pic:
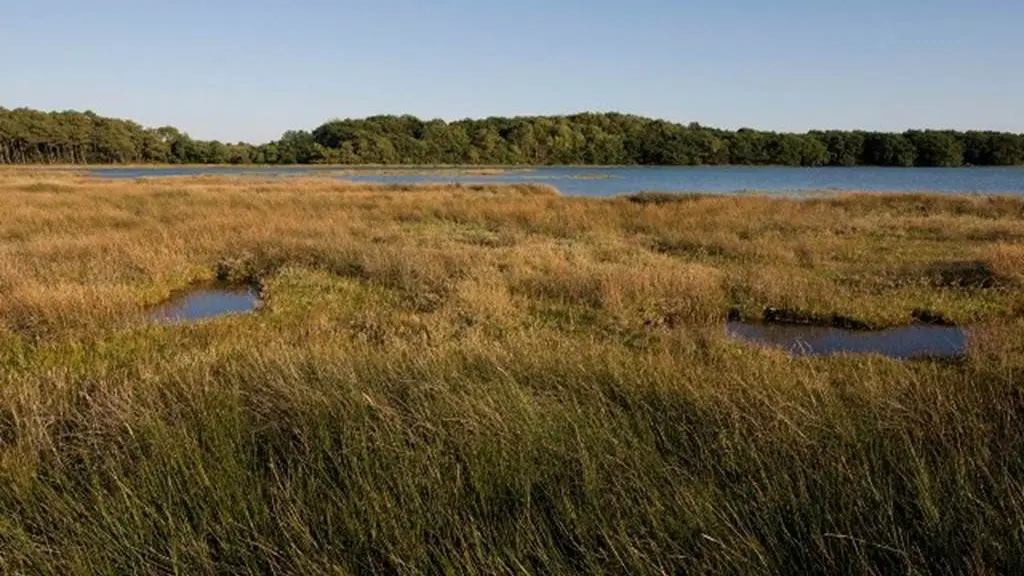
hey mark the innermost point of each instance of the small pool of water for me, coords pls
(904, 342)
(206, 302)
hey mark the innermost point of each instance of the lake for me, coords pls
(629, 180)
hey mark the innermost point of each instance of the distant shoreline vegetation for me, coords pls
(607, 139)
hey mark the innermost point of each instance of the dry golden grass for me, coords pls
(477, 379)
(74, 246)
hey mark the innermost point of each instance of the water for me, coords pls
(613, 181)
(904, 342)
(205, 302)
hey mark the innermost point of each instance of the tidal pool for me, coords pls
(207, 301)
(904, 342)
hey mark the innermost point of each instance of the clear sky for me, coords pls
(248, 70)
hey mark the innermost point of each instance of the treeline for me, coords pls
(33, 137)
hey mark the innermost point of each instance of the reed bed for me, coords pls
(498, 379)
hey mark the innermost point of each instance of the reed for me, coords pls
(482, 379)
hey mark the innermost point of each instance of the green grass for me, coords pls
(470, 381)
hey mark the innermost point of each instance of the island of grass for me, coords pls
(498, 379)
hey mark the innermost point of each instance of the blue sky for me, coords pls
(237, 70)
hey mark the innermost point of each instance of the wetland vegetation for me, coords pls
(498, 379)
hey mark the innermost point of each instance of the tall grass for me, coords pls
(479, 380)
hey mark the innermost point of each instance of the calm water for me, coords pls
(206, 302)
(721, 180)
(904, 342)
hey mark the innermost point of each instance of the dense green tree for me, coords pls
(784, 149)
(267, 154)
(1007, 150)
(599, 148)
(241, 153)
(936, 148)
(152, 148)
(486, 146)
(993, 149)
(885, 149)
(296, 147)
(706, 147)
(33, 137)
(112, 141)
(747, 147)
(844, 148)
(813, 152)
(214, 153)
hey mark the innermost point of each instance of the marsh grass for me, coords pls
(499, 380)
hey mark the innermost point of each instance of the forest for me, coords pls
(35, 137)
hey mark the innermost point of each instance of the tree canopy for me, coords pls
(34, 137)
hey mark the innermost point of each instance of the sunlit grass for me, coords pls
(498, 379)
